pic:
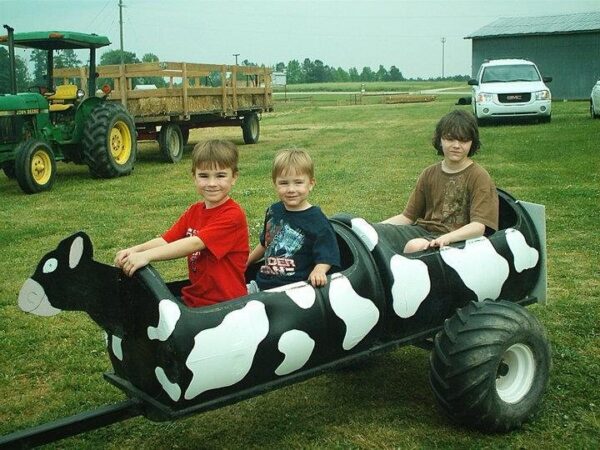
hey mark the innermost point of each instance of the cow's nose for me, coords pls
(33, 299)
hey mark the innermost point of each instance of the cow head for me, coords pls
(68, 279)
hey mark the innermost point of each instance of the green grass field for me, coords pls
(367, 160)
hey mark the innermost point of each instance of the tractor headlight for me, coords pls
(484, 97)
(80, 94)
(542, 95)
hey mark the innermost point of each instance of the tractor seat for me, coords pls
(58, 98)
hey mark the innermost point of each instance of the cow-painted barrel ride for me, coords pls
(490, 360)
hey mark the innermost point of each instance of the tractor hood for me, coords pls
(21, 104)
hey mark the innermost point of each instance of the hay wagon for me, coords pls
(168, 99)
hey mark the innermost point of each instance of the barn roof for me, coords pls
(515, 26)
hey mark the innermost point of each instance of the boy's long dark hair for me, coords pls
(458, 124)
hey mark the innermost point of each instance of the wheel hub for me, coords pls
(120, 143)
(41, 167)
(515, 373)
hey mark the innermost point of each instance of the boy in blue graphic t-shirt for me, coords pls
(297, 241)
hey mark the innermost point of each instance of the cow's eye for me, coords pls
(50, 265)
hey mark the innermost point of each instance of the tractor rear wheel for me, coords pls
(251, 128)
(170, 143)
(490, 365)
(35, 166)
(109, 141)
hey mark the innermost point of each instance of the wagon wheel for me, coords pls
(170, 143)
(185, 132)
(251, 128)
(490, 365)
(35, 166)
(109, 141)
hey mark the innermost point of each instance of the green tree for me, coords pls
(395, 74)
(113, 57)
(66, 58)
(382, 74)
(353, 74)
(279, 67)
(159, 82)
(294, 72)
(341, 75)
(367, 74)
(39, 59)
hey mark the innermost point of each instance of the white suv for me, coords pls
(510, 88)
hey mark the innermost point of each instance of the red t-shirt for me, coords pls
(217, 272)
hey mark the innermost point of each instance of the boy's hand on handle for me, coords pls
(318, 276)
(121, 256)
(134, 262)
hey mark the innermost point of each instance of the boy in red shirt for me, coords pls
(213, 233)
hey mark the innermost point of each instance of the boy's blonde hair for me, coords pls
(214, 154)
(294, 160)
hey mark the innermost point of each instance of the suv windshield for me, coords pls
(508, 73)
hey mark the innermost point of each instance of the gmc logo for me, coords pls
(514, 97)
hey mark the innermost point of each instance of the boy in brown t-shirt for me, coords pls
(455, 199)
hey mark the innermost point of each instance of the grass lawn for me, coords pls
(367, 160)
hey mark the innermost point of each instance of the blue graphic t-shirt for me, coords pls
(295, 241)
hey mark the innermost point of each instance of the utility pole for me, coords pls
(443, 43)
(236, 55)
(121, 29)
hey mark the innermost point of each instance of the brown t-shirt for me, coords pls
(443, 202)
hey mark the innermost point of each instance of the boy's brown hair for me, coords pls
(458, 124)
(215, 153)
(293, 160)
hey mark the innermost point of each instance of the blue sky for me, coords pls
(341, 33)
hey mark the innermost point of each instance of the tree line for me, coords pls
(296, 72)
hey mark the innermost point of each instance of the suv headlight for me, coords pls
(542, 95)
(484, 97)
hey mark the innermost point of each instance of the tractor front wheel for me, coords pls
(35, 166)
(109, 141)
(170, 143)
(490, 366)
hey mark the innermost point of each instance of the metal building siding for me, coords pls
(572, 60)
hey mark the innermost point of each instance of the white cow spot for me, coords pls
(223, 355)
(479, 266)
(116, 347)
(33, 299)
(365, 232)
(76, 252)
(50, 265)
(302, 293)
(411, 284)
(358, 313)
(525, 257)
(172, 389)
(168, 316)
(297, 346)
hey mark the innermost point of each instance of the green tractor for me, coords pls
(61, 123)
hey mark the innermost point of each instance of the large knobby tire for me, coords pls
(35, 166)
(490, 366)
(251, 128)
(109, 141)
(170, 143)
